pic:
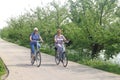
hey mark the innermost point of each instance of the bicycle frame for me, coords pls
(37, 57)
(61, 57)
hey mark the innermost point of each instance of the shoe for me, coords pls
(62, 61)
(32, 58)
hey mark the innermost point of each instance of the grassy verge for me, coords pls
(102, 65)
(2, 68)
(95, 63)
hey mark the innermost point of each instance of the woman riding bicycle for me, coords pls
(34, 37)
(59, 41)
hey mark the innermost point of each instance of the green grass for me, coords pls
(102, 65)
(2, 68)
(95, 63)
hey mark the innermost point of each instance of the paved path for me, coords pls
(17, 60)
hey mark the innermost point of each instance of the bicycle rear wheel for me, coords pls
(57, 59)
(64, 59)
(38, 59)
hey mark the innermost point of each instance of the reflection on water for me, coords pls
(116, 59)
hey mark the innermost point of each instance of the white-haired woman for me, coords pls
(34, 37)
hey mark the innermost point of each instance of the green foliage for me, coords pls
(95, 18)
(47, 49)
(103, 65)
(90, 24)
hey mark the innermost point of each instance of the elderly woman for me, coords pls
(59, 41)
(34, 37)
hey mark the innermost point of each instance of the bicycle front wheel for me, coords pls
(64, 59)
(38, 59)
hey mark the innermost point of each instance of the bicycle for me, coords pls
(37, 57)
(62, 57)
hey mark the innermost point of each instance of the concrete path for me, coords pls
(17, 60)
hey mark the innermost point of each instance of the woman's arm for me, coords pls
(30, 38)
(64, 39)
(41, 38)
(55, 40)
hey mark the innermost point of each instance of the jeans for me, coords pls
(32, 45)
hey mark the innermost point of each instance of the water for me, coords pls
(115, 59)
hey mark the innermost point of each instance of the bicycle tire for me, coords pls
(64, 59)
(38, 59)
(57, 59)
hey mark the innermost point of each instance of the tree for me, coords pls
(94, 17)
(92, 25)
(60, 13)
